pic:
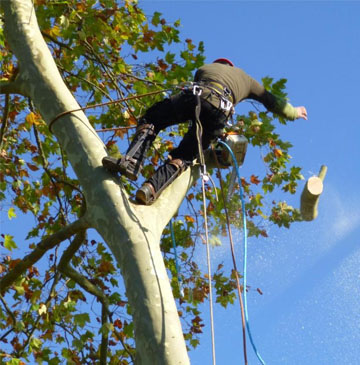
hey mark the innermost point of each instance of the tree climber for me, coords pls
(218, 87)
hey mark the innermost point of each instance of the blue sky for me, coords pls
(309, 313)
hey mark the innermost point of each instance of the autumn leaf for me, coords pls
(277, 152)
(254, 180)
(32, 167)
(105, 267)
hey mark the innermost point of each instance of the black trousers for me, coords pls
(177, 109)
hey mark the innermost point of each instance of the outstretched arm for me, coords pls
(274, 103)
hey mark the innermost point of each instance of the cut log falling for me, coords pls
(311, 194)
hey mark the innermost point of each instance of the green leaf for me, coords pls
(106, 328)
(35, 343)
(81, 319)
(156, 18)
(9, 242)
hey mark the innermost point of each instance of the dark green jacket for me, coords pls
(242, 86)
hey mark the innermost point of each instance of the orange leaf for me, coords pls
(32, 167)
(155, 159)
(132, 120)
(32, 118)
(254, 179)
(189, 219)
(277, 152)
(118, 323)
(120, 132)
(105, 267)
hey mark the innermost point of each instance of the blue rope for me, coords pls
(236, 167)
(176, 257)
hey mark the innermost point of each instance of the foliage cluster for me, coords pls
(107, 50)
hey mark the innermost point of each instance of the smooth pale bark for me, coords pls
(132, 232)
(311, 194)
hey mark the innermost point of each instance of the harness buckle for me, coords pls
(225, 104)
(197, 90)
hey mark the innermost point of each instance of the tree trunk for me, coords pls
(132, 232)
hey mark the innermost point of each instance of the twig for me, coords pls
(8, 310)
(48, 172)
(104, 336)
(47, 302)
(4, 123)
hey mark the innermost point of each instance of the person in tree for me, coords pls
(217, 87)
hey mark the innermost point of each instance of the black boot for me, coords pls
(162, 178)
(131, 164)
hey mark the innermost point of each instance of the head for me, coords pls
(224, 61)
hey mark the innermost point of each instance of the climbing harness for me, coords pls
(236, 167)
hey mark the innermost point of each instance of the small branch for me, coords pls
(46, 244)
(4, 123)
(82, 281)
(87, 81)
(52, 39)
(46, 168)
(8, 310)
(71, 250)
(126, 347)
(110, 75)
(6, 334)
(104, 336)
(66, 269)
(47, 303)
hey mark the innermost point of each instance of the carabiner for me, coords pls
(225, 104)
(197, 90)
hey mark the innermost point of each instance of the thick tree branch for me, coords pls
(46, 244)
(12, 87)
(170, 200)
(71, 273)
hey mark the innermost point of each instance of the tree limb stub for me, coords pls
(311, 194)
(45, 245)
